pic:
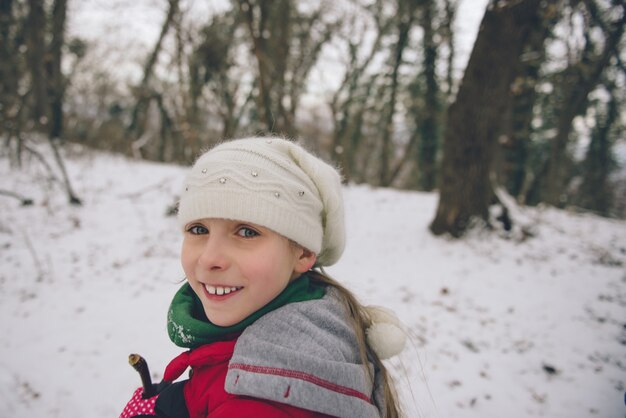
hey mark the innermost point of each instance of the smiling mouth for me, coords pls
(220, 290)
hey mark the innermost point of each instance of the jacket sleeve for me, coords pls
(242, 406)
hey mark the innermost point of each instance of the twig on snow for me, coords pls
(26, 201)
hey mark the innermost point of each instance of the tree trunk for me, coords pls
(143, 95)
(405, 22)
(578, 81)
(56, 83)
(36, 22)
(9, 68)
(429, 137)
(351, 100)
(450, 8)
(594, 193)
(473, 121)
(286, 43)
(515, 146)
(269, 27)
(55, 88)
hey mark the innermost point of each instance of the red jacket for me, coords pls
(204, 392)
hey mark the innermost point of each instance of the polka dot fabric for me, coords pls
(139, 407)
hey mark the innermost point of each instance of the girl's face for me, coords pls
(236, 268)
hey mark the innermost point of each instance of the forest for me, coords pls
(536, 117)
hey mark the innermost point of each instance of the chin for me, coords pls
(224, 323)
(220, 321)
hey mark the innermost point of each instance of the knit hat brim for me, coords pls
(273, 183)
(254, 208)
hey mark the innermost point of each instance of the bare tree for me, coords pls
(474, 119)
(47, 83)
(56, 81)
(212, 65)
(143, 91)
(56, 91)
(36, 53)
(447, 33)
(353, 98)
(11, 66)
(577, 81)
(514, 144)
(429, 118)
(595, 190)
(404, 24)
(286, 43)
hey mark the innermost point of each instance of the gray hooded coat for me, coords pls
(305, 354)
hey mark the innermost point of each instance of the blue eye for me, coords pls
(197, 230)
(247, 232)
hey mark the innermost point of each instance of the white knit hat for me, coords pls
(270, 182)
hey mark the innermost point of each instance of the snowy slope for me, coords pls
(500, 328)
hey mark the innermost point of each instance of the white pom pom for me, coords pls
(386, 339)
(379, 314)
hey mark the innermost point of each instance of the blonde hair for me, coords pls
(360, 321)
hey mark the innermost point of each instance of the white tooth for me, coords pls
(210, 289)
(220, 291)
(226, 290)
(233, 289)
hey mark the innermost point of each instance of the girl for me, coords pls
(268, 333)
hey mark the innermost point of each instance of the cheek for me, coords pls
(262, 268)
(268, 268)
(282, 266)
(187, 259)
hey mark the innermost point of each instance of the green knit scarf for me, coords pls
(188, 326)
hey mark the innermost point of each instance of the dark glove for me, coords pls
(168, 402)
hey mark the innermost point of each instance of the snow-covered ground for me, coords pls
(500, 327)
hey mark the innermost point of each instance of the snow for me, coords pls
(499, 326)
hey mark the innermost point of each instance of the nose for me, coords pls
(215, 255)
